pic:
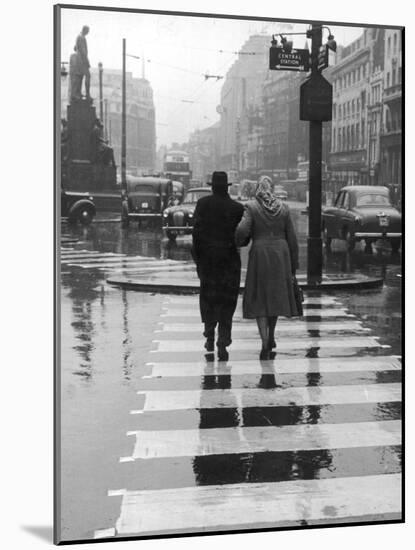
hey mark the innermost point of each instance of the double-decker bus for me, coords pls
(176, 167)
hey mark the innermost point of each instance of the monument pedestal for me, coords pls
(81, 117)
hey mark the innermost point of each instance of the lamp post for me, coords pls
(314, 242)
(316, 98)
(101, 108)
(123, 124)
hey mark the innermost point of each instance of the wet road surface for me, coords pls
(158, 439)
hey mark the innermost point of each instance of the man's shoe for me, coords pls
(209, 345)
(264, 354)
(223, 354)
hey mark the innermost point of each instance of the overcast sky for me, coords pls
(178, 51)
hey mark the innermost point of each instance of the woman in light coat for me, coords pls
(273, 260)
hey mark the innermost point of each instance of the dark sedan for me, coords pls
(178, 220)
(362, 212)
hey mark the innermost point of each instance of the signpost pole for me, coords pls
(314, 243)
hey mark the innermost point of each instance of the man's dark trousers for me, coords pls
(218, 263)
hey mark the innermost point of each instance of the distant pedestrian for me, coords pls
(273, 260)
(218, 263)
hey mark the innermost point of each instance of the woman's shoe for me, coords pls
(272, 344)
(264, 354)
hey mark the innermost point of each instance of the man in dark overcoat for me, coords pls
(218, 262)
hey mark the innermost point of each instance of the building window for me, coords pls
(353, 107)
(358, 73)
(388, 78)
(357, 135)
(395, 42)
(357, 105)
(393, 75)
(389, 46)
(364, 71)
(334, 110)
(339, 140)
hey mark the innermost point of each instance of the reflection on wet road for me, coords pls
(177, 443)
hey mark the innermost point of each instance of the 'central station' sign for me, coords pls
(296, 60)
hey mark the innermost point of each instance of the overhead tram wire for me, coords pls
(203, 88)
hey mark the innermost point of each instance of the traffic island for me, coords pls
(187, 282)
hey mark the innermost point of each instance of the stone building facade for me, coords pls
(391, 135)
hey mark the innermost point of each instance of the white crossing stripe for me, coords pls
(110, 258)
(192, 300)
(273, 397)
(254, 344)
(141, 265)
(279, 366)
(251, 505)
(261, 439)
(288, 326)
(332, 312)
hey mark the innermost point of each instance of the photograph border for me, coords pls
(57, 10)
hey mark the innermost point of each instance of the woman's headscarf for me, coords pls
(266, 198)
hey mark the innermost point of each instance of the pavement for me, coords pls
(182, 278)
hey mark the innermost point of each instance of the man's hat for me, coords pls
(219, 178)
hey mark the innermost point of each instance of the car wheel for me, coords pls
(171, 235)
(350, 240)
(84, 216)
(395, 244)
(326, 238)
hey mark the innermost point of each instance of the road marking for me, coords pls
(261, 439)
(332, 312)
(273, 397)
(279, 366)
(141, 265)
(288, 326)
(215, 507)
(114, 258)
(104, 533)
(184, 300)
(254, 344)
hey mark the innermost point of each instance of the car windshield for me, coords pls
(194, 196)
(372, 199)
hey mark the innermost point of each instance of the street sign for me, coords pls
(323, 58)
(316, 98)
(296, 60)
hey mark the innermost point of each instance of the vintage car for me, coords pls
(145, 198)
(77, 206)
(362, 212)
(178, 220)
(280, 192)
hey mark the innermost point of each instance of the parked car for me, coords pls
(362, 212)
(77, 206)
(280, 192)
(145, 198)
(178, 220)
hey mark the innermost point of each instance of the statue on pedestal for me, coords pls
(79, 67)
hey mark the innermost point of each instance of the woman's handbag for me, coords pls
(298, 296)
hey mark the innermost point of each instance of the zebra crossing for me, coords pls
(312, 437)
(110, 262)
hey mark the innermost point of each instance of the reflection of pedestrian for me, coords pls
(218, 263)
(273, 259)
